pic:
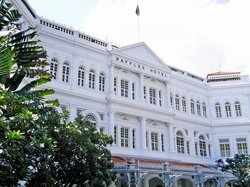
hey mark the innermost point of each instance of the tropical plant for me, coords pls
(20, 56)
(239, 166)
(38, 145)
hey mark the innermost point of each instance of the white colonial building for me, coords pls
(169, 126)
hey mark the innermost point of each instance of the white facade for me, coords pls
(156, 113)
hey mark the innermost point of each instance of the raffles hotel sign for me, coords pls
(140, 66)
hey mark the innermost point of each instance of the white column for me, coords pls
(111, 123)
(192, 142)
(143, 132)
(72, 110)
(166, 97)
(171, 137)
(97, 80)
(130, 89)
(149, 141)
(130, 137)
(86, 78)
(159, 141)
(141, 85)
(111, 78)
(118, 86)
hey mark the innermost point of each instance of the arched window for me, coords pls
(177, 102)
(184, 104)
(101, 82)
(218, 110)
(81, 76)
(171, 99)
(180, 142)
(204, 109)
(198, 107)
(65, 72)
(237, 108)
(228, 109)
(202, 145)
(192, 106)
(91, 119)
(92, 79)
(54, 67)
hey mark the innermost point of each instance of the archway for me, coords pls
(211, 183)
(155, 182)
(184, 183)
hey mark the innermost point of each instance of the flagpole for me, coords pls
(139, 29)
(137, 11)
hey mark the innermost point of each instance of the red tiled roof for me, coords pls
(222, 73)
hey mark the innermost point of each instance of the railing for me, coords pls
(145, 165)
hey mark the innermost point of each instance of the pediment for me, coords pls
(142, 53)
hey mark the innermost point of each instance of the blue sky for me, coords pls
(199, 36)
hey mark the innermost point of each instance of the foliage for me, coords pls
(20, 56)
(38, 145)
(33, 147)
(239, 166)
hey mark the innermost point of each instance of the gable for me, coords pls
(142, 53)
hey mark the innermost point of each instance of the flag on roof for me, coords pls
(137, 10)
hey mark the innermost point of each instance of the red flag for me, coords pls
(137, 10)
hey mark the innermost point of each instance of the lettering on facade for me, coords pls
(142, 67)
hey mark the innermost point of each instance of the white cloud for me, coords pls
(194, 35)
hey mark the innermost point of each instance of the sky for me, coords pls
(198, 36)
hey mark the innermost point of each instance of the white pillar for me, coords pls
(111, 78)
(111, 123)
(141, 85)
(73, 114)
(86, 78)
(171, 137)
(143, 132)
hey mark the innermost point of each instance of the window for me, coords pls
(152, 96)
(196, 148)
(115, 134)
(154, 141)
(180, 142)
(192, 106)
(188, 147)
(91, 119)
(101, 82)
(65, 72)
(115, 85)
(124, 137)
(224, 148)
(133, 91)
(218, 110)
(209, 150)
(92, 79)
(162, 143)
(124, 88)
(146, 139)
(81, 76)
(242, 146)
(171, 99)
(198, 107)
(237, 109)
(144, 92)
(177, 102)
(184, 105)
(228, 109)
(54, 67)
(204, 109)
(160, 99)
(133, 138)
(202, 144)
(101, 130)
